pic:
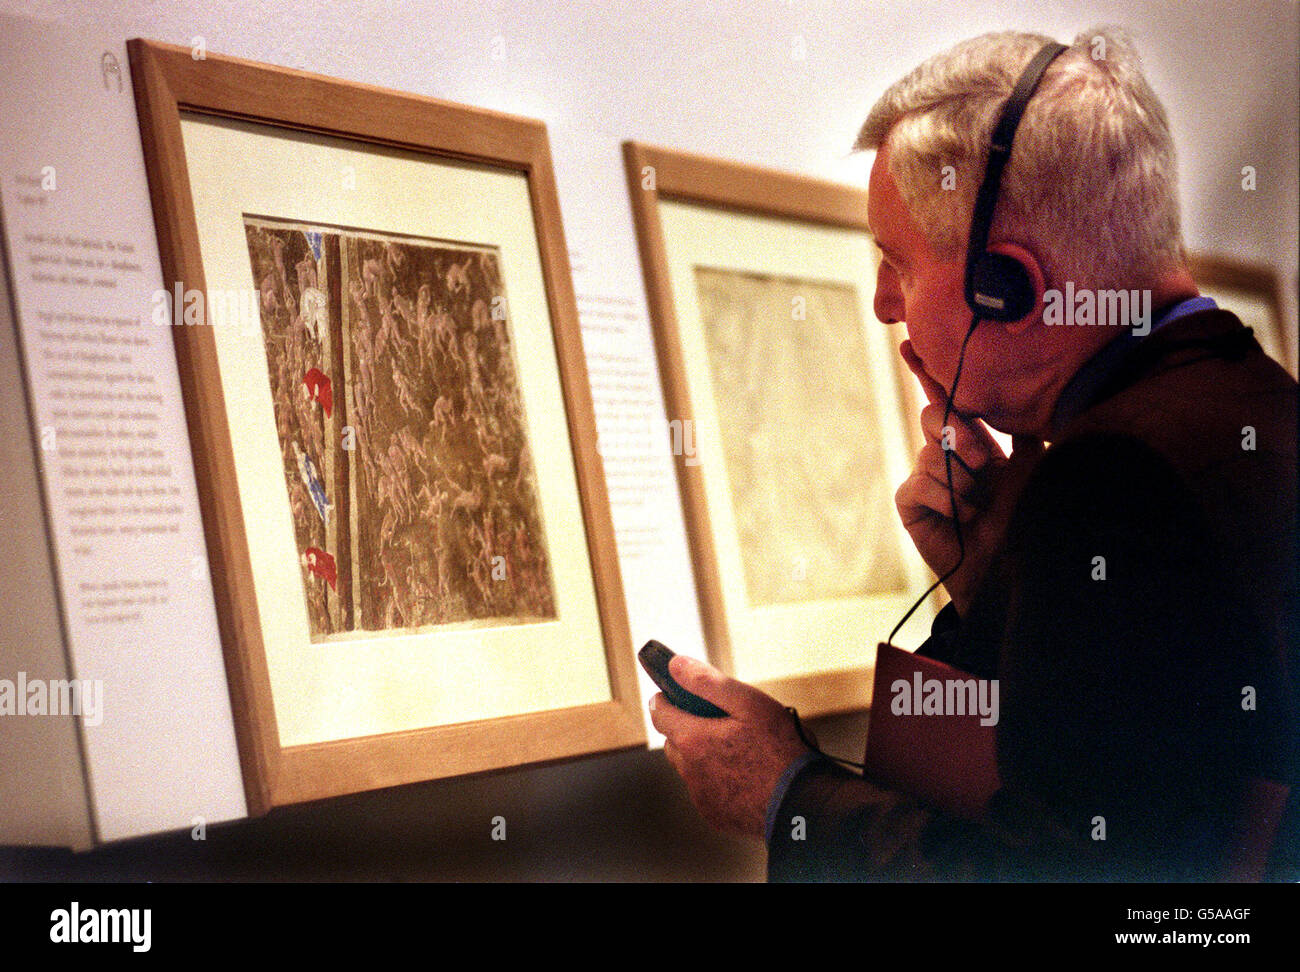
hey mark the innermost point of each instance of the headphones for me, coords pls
(998, 287)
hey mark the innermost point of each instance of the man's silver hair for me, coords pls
(1091, 187)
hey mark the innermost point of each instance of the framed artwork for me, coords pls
(408, 532)
(1254, 293)
(790, 417)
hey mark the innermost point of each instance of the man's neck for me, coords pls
(1086, 344)
(1090, 380)
(1173, 288)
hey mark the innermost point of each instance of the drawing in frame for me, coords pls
(791, 418)
(1254, 293)
(408, 532)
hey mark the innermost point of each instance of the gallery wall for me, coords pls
(780, 83)
(784, 83)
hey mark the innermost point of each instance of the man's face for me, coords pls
(916, 286)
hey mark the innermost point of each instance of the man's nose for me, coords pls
(888, 302)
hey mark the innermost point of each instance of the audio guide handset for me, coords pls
(654, 658)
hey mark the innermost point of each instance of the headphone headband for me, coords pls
(988, 291)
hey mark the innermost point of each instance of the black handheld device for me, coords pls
(654, 658)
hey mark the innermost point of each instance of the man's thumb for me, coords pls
(733, 696)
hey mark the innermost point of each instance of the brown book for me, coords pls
(933, 731)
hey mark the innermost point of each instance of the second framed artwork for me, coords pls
(1254, 293)
(791, 416)
(407, 525)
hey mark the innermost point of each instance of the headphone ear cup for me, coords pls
(1000, 288)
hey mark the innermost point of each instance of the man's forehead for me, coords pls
(883, 201)
(874, 196)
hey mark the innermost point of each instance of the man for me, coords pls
(1132, 585)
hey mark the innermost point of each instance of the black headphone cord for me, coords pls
(948, 454)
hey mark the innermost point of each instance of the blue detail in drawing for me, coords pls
(316, 241)
(311, 479)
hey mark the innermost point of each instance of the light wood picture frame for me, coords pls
(1254, 293)
(401, 200)
(750, 234)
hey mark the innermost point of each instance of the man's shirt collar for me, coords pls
(1078, 395)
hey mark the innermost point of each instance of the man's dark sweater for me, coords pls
(1144, 698)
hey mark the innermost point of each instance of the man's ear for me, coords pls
(1037, 279)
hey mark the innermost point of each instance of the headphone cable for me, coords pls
(952, 493)
(948, 454)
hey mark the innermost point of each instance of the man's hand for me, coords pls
(732, 765)
(984, 486)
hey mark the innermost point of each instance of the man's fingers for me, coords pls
(676, 723)
(968, 485)
(927, 488)
(667, 718)
(969, 439)
(732, 696)
(934, 392)
(970, 442)
(922, 495)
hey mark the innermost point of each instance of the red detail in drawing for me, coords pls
(318, 384)
(321, 563)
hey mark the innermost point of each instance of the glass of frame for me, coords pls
(408, 531)
(792, 419)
